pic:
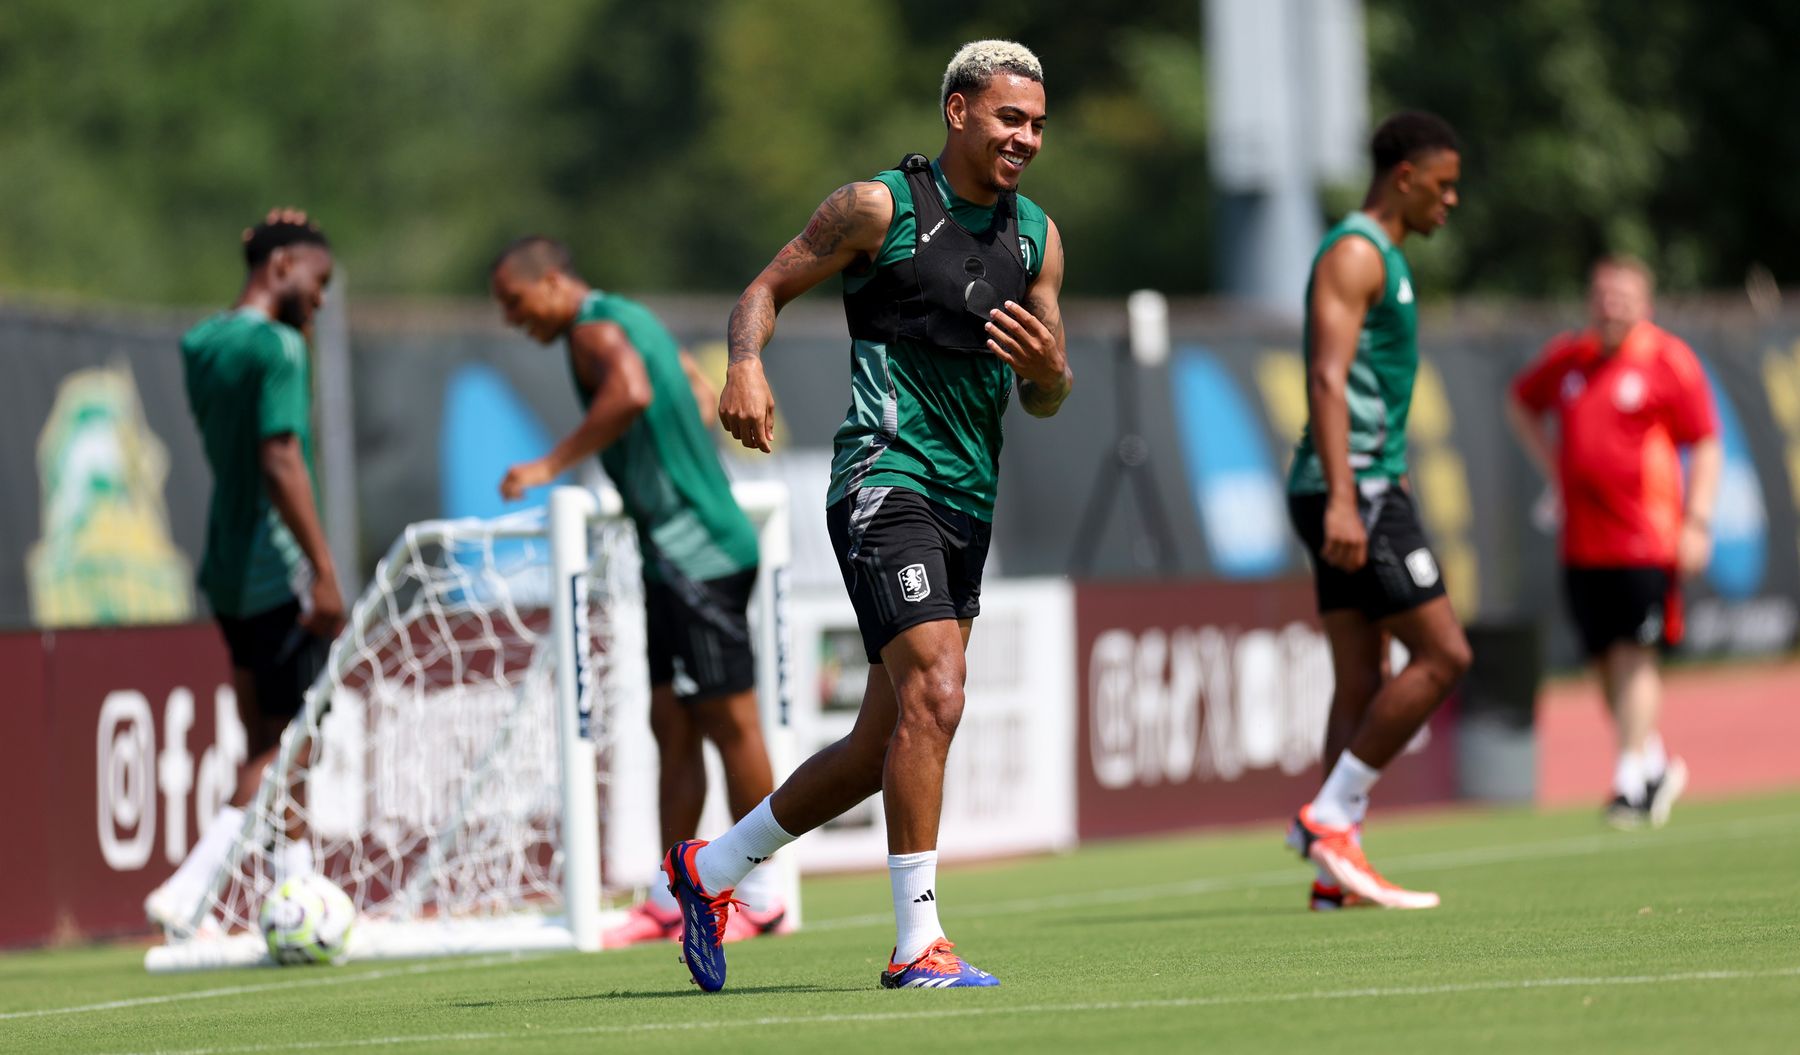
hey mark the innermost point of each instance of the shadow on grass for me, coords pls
(658, 994)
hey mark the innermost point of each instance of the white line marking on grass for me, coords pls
(1611, 842)
(263, 987)
(1378, 992)
(1575, 846)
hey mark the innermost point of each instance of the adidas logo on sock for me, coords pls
(755, 860)
(926, 896)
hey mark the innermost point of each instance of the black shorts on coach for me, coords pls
(698, 633)
(1610, 605)
(282, 657)
(1400, 573)
(906, 560)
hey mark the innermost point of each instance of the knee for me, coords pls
(729, 729)
(675, 738)
(1453, 657)
(724, 735)
(1351, 693)
(932, 704)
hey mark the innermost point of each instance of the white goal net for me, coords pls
(453, 770)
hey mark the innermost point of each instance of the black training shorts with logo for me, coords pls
(1400, 573)
(282, 657)
(906, 560)
(698, 634)
(1610, 605)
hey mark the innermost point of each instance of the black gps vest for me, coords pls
(942, 295)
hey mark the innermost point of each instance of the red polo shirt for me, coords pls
(1623, 417)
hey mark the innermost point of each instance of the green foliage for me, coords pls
(143, 137)
(1599, 125)
(677, 145)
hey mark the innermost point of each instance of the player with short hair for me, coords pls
(950, 281)
(642, 395)
(266, 572)
(1627, 395)
(1349, 503)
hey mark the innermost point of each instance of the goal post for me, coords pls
(452, 768)
(571, 508)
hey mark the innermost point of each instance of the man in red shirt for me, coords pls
(1626, 395)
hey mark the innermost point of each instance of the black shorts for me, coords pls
(698, 634)
(282, 658)
(1610, 605)
(906, 560)
(1400, 574)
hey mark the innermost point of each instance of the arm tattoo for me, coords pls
(1048, 312)
(1044, 400)
(753, 319)
(832, 223)
(752, 324)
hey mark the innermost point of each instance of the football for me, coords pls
(307, 920)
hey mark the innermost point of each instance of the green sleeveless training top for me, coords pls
(247, 380)
(1380, 385)
(665, 465)
(921, 418)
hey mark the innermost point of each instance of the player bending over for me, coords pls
(642, 396)
(950, 281)
(1349, 503)
(266, 572)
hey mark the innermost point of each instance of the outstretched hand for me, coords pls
(523, 477)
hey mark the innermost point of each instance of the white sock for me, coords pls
(1628, 776)
(725, 861)
(662, 900)
(208, 855)
(914, 878)
(1345, 796)
(293, 859)
(760, 889)
(1656, 760)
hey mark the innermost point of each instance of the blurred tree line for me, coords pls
(677, 145)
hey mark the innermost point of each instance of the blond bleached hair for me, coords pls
(978, 60)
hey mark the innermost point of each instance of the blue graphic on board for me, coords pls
(1740, 520)
(487, 429)
(1235, 482)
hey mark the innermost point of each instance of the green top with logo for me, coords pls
(922, 418)
(1380, 385)
(665, 465)
(248, 379)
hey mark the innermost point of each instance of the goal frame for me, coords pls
(566, 525)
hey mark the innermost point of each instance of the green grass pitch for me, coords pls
(1555, 935)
